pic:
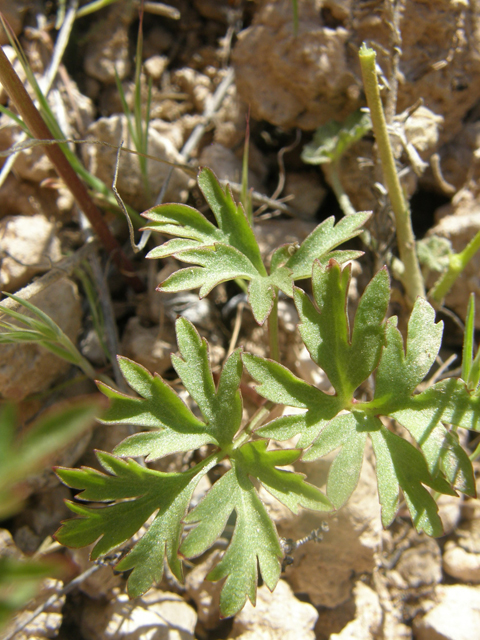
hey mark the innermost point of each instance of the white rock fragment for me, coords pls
(28, 245)
(101, 160)
(276, 616)
(455, 617)
(47, 624)
(461, 564)
(461, 557)
(368, 618)
(158, 615)
(325, 570)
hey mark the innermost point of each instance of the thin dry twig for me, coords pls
(50, 601)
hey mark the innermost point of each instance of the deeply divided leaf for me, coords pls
(230, 251)
(343, 423)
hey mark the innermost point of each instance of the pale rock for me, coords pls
(461, 557)
(171, 130)
(47, 623)
(230, 120)
(309, 371)
(456, 616)
(29, 368)
(101, 160)
(108, 46)
(29, 246)
(308, 194)
(91, 349)
(276, 616)
(325, 570)
(422, 130)
(368, 618)
(450, 511)
(148, 346)
(33, 165)
(18, 197)
(205, 593)
(294, 81)
(421, 564)
(461, 564)
(197, 85)
(158, 615)
(155, 66)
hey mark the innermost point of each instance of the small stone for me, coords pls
(155, 66)
(456, 616)
(28, 246)
(368, 618)
(461, 558)
(157, 614)
(101, 161)
(421, 564)
(276, 616)
(47, 624)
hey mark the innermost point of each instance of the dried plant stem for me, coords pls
(34, 121)
(412, 277)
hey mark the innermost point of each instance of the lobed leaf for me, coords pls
(325, 329)
(288, 487)
(230, 251)
(133, 493)
(159, 407)
(254, 543)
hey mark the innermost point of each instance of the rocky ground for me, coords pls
(361, 582)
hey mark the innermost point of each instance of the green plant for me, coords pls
(21, 457)
(42, 330)
(430, 457)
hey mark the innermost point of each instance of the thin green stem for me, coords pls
(457, 263)
(475, 454)
(273, 330)
(257, 419)
(412, 278)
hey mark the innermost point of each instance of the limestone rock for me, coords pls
(295, 81)
(461, 558)
(205, 593)
(325, 570)
(276, 616)
(158, 615)
(305, 80)
(29, 368)
(108, 50)
(47, 624)
(100, 160)
(368, 618)
(456, 616)
(29, 246)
